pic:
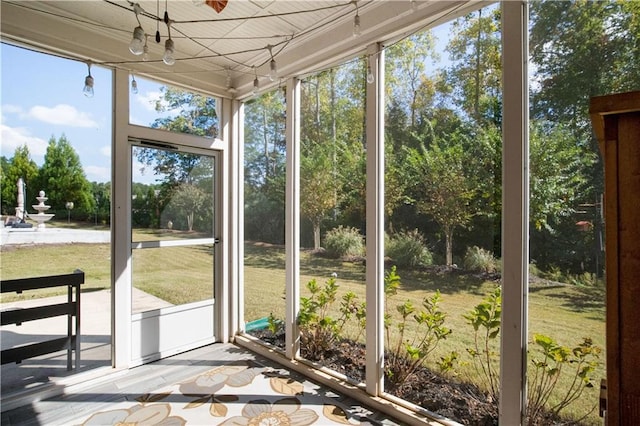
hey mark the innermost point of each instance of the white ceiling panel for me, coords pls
(305, 34)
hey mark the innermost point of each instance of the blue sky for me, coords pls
(41, 97)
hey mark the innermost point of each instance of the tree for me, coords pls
(101, 193)
(567, 38)
(443, 189)
(406, 63)
(557, 173)
(332, 135)
(264, 160)
(317, 188)
(475, 78)
(19, 166)
(559, 179)
(196, 113)
(187, 201)
(63, 179)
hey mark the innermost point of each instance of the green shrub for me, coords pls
(485, 318)
(586, 279)
(554, 274)
(549, 361)
(343, 242)
(408, 248)
(534, 270)
(319, 331)
(480, 260)
(408, 350)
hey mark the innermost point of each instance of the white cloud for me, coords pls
(62, 114)
(106, 151)
(11, 109)
(13, 137)
(148, 100)
(97, 173)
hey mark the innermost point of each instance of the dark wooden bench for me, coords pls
(71, 309)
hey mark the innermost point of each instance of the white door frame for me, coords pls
(121, 219)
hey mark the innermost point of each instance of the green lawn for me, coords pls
(565, 313)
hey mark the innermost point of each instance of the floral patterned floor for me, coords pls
(242, 393)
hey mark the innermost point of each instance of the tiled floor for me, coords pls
(121, 393)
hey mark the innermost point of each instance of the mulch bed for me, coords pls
(445, 396)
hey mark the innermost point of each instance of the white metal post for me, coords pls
(515, 212)
(375, 222)
(226, 312)
(237, 257)
(121, 224)
(292, 219)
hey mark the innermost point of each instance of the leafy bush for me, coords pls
(548, 366)
(554, 274)
(534, 270)
(408, 248)
(480, 260)
(344, 242)
(485, 319)
(350, 307)
(586, 279)
(406, 356)
(274, 325)
(318, 330)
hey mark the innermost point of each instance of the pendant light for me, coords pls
(134, 85)
(145, 50)
(356, 21)
(168, 57)
(273, 67)
(138, 41)
(256, 82)
(88, 83)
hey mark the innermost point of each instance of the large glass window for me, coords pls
(567, 273)
(264, 227)
(173, 222)
(56, 197)
(170, 108)
(332, 209)
(443, 217)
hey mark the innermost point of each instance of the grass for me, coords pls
(183, 274)
(38, 260)
(566, 313)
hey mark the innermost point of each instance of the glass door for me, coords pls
(173, 199)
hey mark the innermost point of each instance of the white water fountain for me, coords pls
(41, 217)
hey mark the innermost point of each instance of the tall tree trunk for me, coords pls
(476, 101)
(266, 143)
(190, 221)
(334, 135)
(448, 232)
(316, 236)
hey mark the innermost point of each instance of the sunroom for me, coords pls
(279, 203)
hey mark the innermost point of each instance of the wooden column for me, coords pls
(616, 121)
